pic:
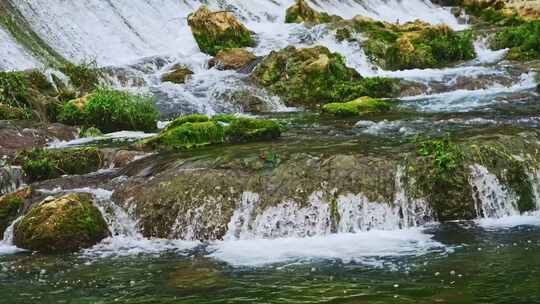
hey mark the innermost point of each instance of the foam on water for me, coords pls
(6, 244)
(115, 136)
(363, 247)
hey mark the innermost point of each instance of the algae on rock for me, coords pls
(313, 76)
(359, 106)
(216, 31)
(62, 224)
(301, 12)
(178, 75)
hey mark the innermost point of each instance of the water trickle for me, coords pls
(491, 197)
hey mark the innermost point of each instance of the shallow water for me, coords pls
(460, 263)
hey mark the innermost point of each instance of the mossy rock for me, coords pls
(523, 41)
(42, 164)
(232, 59)
(538, 88)
(196, 130)
(10, 205)
(8, 112)
(357, 107)
(111, 110)
(313, 76)
(301, 12)
(63, 224)
(178, 75)
(216, 31)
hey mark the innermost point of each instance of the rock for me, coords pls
(194, 131)
(232, 59)
(313, 76)
(42, 164)
(122, 158)
(178, 75)
(16, 136)
(199, 273)
(301, 12)
(359, 106)
(216, 31)
(10, 205)
(62, 224)
(538, 88)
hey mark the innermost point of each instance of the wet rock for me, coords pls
(10, 205)
(216, 31)
(178, 75)
(62, 224)
(301, 12)
(41, 164)
(357, 107)
(22, 135)
(232, 59)
(313, 76)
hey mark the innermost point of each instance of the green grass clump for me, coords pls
(42, 164)
(187, 118)
(522, 40)
(9, 207)
(13, 89)
(189, 135)
(84, 77)
(359, 106)
(111, 110)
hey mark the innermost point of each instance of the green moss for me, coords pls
(63, 224)
(188, 135)
(300, 12)
(523, 41)
(245, 129)
(110, 110)
(9, 113)
(84, 77)
(495, 15)
(9, 208)
(187, 118)
(343, 34)
(13, 89)
(40, 164)
(90, 132)
(313, 76)
(193, 131)
(178, 75)
(359, 106)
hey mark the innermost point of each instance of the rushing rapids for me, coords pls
(344, 201)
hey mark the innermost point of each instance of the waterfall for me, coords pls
(349, 213)
(492, 198)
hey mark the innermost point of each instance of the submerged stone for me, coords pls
(359, 106)
(301, 12)
(232, 59)
(178, 75)
(62, 224)
(216, 31)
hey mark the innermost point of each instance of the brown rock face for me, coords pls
(178, 75)
(232, 59)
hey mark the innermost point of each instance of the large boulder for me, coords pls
(313, 76)
(301, 12)
(216, 31)
(62, 224)
(232, 59)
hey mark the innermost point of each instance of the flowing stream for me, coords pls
(294, 252)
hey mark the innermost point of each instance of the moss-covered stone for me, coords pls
(216, 31)
(63, 224)
(245, 129)
(413, 44)
(312, 76)
(232, 59)
(84, 77)
(359, 106)
(41, 164)
(10, 113)
(110, 110)
(301, 12)
(197, 130)
(10, 204)
(178, 75)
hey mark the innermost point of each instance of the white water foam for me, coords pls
(363, 247)
(115, 136)
(6, 244)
